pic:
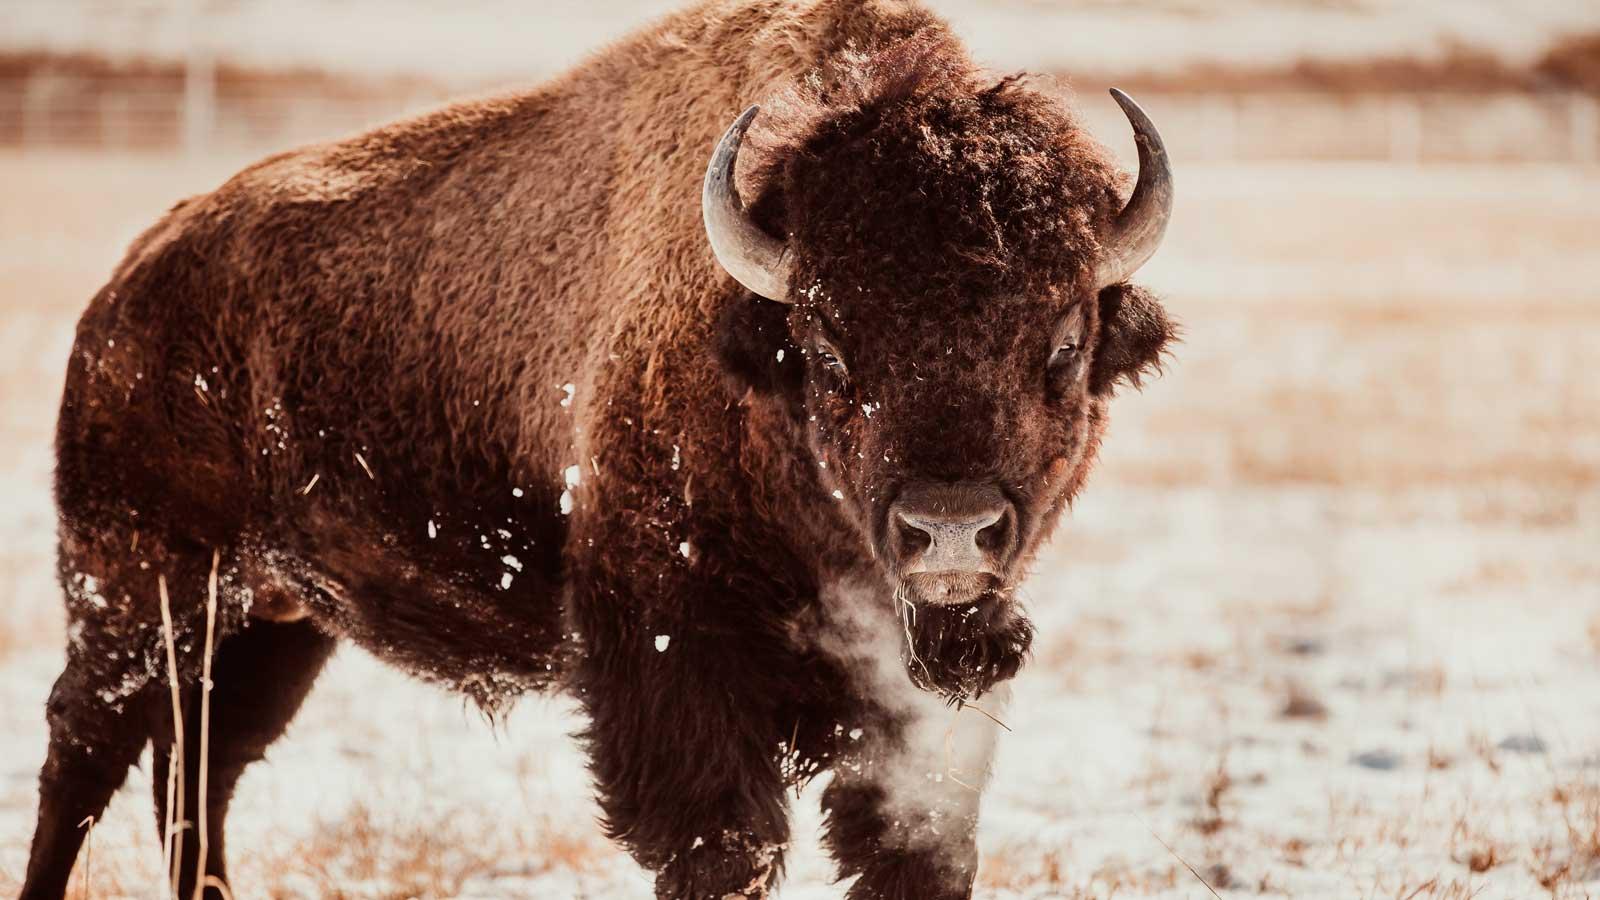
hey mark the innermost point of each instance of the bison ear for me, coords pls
(753, 346)
(1134, 331)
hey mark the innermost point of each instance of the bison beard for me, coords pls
(962, 651)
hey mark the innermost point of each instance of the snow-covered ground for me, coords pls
(497, 39)
(1325, 625)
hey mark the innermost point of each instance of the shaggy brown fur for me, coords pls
(459, 388)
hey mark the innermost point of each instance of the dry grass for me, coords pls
(365, 853)
(1576, 859)
(172, 829)
(204, 762)
(421, 860)
(1213, 819)
(1300, 703)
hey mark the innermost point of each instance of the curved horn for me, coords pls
(754, 258)
(1138, 229)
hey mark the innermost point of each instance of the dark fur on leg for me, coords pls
(931, 855)
(685, 736)
(690, 783)
(262, 675)
(88, 760)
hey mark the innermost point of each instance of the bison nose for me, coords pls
(964, 528)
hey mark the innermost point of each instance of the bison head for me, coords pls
(951, 287)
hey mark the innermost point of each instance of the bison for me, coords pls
(489, 394)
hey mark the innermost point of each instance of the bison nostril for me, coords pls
(913, 540)
(995, 538)
(952, 528)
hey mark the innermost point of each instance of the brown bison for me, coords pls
(475, 392)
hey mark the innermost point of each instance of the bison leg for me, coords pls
(904, 817)
(685, 752)
(690, 784)
(92, 745)
(260, 677)
(103, 706)
(927, 854)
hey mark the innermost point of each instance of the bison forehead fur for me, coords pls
(457, 390)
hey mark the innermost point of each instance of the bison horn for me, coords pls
(1138, 229)
(754, 258)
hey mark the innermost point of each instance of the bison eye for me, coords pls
(829, 357)
(1065, 368)
(1066, 363)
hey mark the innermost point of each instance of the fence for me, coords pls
(49, 110)
(53, 110)
(1391, 127)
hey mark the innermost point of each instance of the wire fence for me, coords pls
(157, 113)
(48, 110)
(1405, 128)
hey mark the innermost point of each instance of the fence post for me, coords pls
(1222, 113)
(1405, 129)
(35, 116)
(1583, 113)
(115, 133)
(199, 87)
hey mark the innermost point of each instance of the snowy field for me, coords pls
(1325, 625)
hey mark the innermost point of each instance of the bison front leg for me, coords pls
(929, 851)
(902, 816)
(683, 745)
